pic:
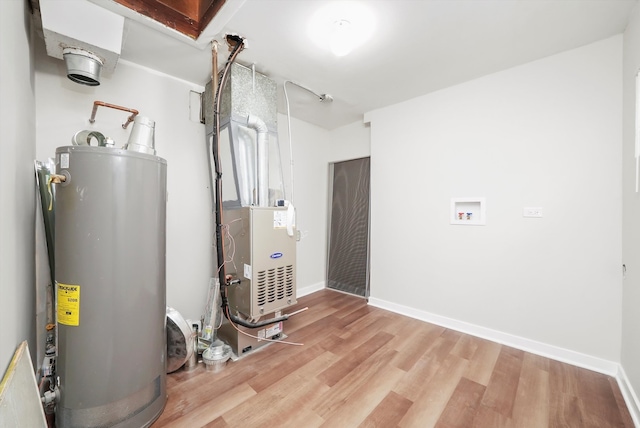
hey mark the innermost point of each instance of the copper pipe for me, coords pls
(57, 178)
(133, 112)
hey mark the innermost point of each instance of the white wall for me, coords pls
(17, 192)
(349, 142)
(64, 107)
(545, 134)
(313, 149)
(631, 214)
(309, 151)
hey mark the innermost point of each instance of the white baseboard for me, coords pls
(596, 364)
(309, 289)
(630, 397)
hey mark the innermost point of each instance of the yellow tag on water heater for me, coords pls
(68, 304)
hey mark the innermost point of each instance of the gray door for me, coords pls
(348, 258)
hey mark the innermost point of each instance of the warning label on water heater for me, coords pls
(64, 160)
(69, 304)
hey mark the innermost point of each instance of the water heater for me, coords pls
(110, 287)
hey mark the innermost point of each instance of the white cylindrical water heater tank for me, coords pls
(110, 277)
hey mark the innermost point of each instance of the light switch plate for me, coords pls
(535, 212)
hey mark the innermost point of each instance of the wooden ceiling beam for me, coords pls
(190, 17)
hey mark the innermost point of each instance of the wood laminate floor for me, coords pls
(362, 366)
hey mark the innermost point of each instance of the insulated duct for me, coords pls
(247, 93)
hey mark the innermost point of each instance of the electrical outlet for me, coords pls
(532, 212)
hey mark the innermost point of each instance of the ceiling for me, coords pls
(418, 46)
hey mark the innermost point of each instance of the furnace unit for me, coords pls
(264, 262)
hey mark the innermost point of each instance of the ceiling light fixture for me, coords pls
(340, 41)
(341, 27)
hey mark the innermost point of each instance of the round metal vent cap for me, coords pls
(82, 66)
